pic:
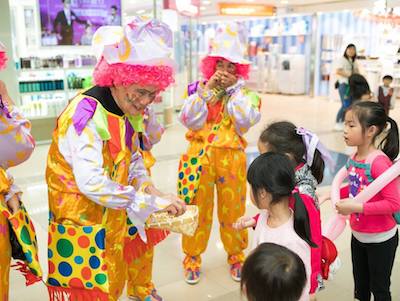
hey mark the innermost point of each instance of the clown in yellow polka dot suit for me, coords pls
(221, 99)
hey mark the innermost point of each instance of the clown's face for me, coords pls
(227, 66)
(134, 99)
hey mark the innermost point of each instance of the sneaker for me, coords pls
(334, 267)
(338, 127)
(192, 276)
(236, 271)
(153, 297)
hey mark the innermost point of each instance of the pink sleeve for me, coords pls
(389, 198)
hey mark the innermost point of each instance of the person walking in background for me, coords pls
(346, 67)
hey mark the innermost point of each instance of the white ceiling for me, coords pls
(210, 7)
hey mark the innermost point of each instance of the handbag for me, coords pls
(190, 168)
(76, 257)
(23, 243)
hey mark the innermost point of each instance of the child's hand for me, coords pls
(346, 207)
(244, 222)
(322, 198)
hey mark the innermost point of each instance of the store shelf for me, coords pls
(280, 35)
(41, 117)
(42, 92)
(65, 69)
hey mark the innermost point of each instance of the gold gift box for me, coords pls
(185, 224)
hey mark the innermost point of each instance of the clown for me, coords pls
(16, 145)
(95, 173)
(221, 102)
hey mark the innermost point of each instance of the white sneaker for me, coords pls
(338, 127)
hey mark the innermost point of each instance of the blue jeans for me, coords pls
(345, 100)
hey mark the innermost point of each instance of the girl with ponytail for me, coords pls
(308, 157)
(272, 180)
(374, 230)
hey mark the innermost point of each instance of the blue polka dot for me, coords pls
(78, 259)
(87, 229)
(27, 220)
(200, 168)
(181, 175)
(65, 269)
(50, 253)
(132, 230)
(61, 229)
(28, 256)
(191, 178)
(89, 284)
(185, 191)
(53, 282)
(99, 238)
(94, 262)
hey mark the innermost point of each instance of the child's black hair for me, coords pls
(274, 173)
(273, 273)
(281, 137)
(370, 114)
(388, 77)
(358, 86)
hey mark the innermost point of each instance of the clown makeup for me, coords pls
(133, 99)
(224, 65)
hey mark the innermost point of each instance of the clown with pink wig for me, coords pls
(100, 194)
(218, 111)
(16, 146)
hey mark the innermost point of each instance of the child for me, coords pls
(272, 180)
(359, 89)
(273, 273)
(385, 93)
(308, 157)
(375, 237)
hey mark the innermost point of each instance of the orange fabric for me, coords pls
(140, 275)
(225, 169)
(68, 204)
(115, 141)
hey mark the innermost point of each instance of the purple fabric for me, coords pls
(312, 144)
(4, 108)
(192, 88)
(83, 113)
(129, 134)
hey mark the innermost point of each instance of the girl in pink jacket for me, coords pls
(375, 237)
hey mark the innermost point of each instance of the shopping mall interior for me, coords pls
(294, 49)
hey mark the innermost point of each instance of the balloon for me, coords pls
(384, 179)
(336, 224)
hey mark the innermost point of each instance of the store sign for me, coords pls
(190, 8)
(237, 9)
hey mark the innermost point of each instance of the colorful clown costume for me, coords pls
(16, 144)
(139, 254)
(94, 168)
(224, 165)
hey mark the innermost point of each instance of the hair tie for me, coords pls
(312, 143)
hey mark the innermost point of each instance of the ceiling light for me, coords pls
(206, 2)
(284, 2)
(203, 8)
(140, 11)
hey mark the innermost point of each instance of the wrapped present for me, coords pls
(185, 224)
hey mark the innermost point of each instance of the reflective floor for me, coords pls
(315, 114)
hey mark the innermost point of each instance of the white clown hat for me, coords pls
(144, 41)
(229, 43)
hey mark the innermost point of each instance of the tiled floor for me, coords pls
(315, 114)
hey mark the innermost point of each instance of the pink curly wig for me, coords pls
(208, 64)
(108, 75)
(3, 60)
